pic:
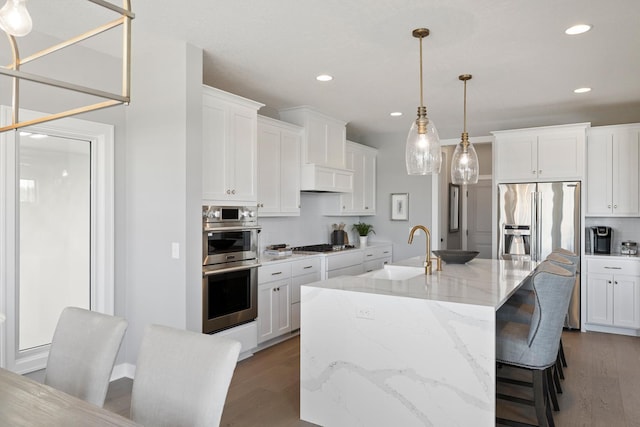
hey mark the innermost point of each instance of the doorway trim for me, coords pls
(101, 137)
(436, 214)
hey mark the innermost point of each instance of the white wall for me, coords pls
(392, 178)
(162, 191)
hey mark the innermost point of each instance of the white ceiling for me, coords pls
(524, 67)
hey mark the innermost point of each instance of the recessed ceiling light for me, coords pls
(577, 29)
(324, 78)
(395, 114)
(583, 90)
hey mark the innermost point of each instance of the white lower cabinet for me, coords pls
(274, 301)
(613, 293)
(279, 295)
(302, 272)
(375, 257)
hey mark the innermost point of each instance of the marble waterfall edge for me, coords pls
(379, 360)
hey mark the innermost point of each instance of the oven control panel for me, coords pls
(229, 215)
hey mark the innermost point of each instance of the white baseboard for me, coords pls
(123, 370)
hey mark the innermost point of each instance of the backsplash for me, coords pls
(624, 229)
(310, 228)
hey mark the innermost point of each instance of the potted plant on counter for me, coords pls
(363, 230)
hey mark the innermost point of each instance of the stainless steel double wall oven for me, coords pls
(229, 266)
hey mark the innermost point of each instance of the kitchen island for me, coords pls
(398, 347)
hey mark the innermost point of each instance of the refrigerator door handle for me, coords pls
(534, 228)
(538, 226)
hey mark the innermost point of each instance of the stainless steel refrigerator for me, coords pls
(534, 219)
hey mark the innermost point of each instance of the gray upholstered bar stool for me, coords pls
(534, 345)
(575, 258)
(521, 308)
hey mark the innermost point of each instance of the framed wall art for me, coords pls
(400, 206)
(454, 208)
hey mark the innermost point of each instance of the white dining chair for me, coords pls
(182, 378)
(83, 351)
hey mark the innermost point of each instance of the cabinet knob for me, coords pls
(615, 206)
(608, 206)
(233, 191)
(533, 172)
(609, 281)
(228, 191)
(615, 283)
(366, 207)
(540, 171)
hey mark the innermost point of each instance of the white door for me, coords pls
(55, 239)
(479, 218)
(56, 231)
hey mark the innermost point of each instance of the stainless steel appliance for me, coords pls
(629, 248)
(534, 219)
(229, 266)
(323, 247)
(601, 238)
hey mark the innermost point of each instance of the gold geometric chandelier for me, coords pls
(10, 16)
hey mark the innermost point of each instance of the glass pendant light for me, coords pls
(15, 19)
(422, 153)
(464, 164)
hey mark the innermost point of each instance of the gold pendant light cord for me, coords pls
(465, 106)
(421, 89)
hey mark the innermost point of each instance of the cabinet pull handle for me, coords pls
(276, 273)
(385, 252)
(613, 268)
(308, 266)
(369, 255)
(609, 281)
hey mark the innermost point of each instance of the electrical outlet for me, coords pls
(175, 250)
(365, 312)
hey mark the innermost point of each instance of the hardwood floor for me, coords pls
(602, 386)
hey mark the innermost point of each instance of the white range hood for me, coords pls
(315, 178)
(323, 151)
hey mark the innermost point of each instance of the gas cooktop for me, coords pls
(325, 247)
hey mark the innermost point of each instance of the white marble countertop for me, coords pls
(613, 255)
(274, 259)
(481, 282)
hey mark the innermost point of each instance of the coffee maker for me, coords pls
(601, 238)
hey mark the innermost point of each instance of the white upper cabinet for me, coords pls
(323, 150)
(278, 168)
(229, 148)
(362, 201)
(612, 170)
(552, 153)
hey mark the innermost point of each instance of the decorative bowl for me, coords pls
(456, 256)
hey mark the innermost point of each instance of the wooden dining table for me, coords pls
(27, 403)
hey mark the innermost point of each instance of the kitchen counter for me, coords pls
(396, 347)
(480, 282)
(275, 259)
(613, 255)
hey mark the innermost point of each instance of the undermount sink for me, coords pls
(393, 272)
